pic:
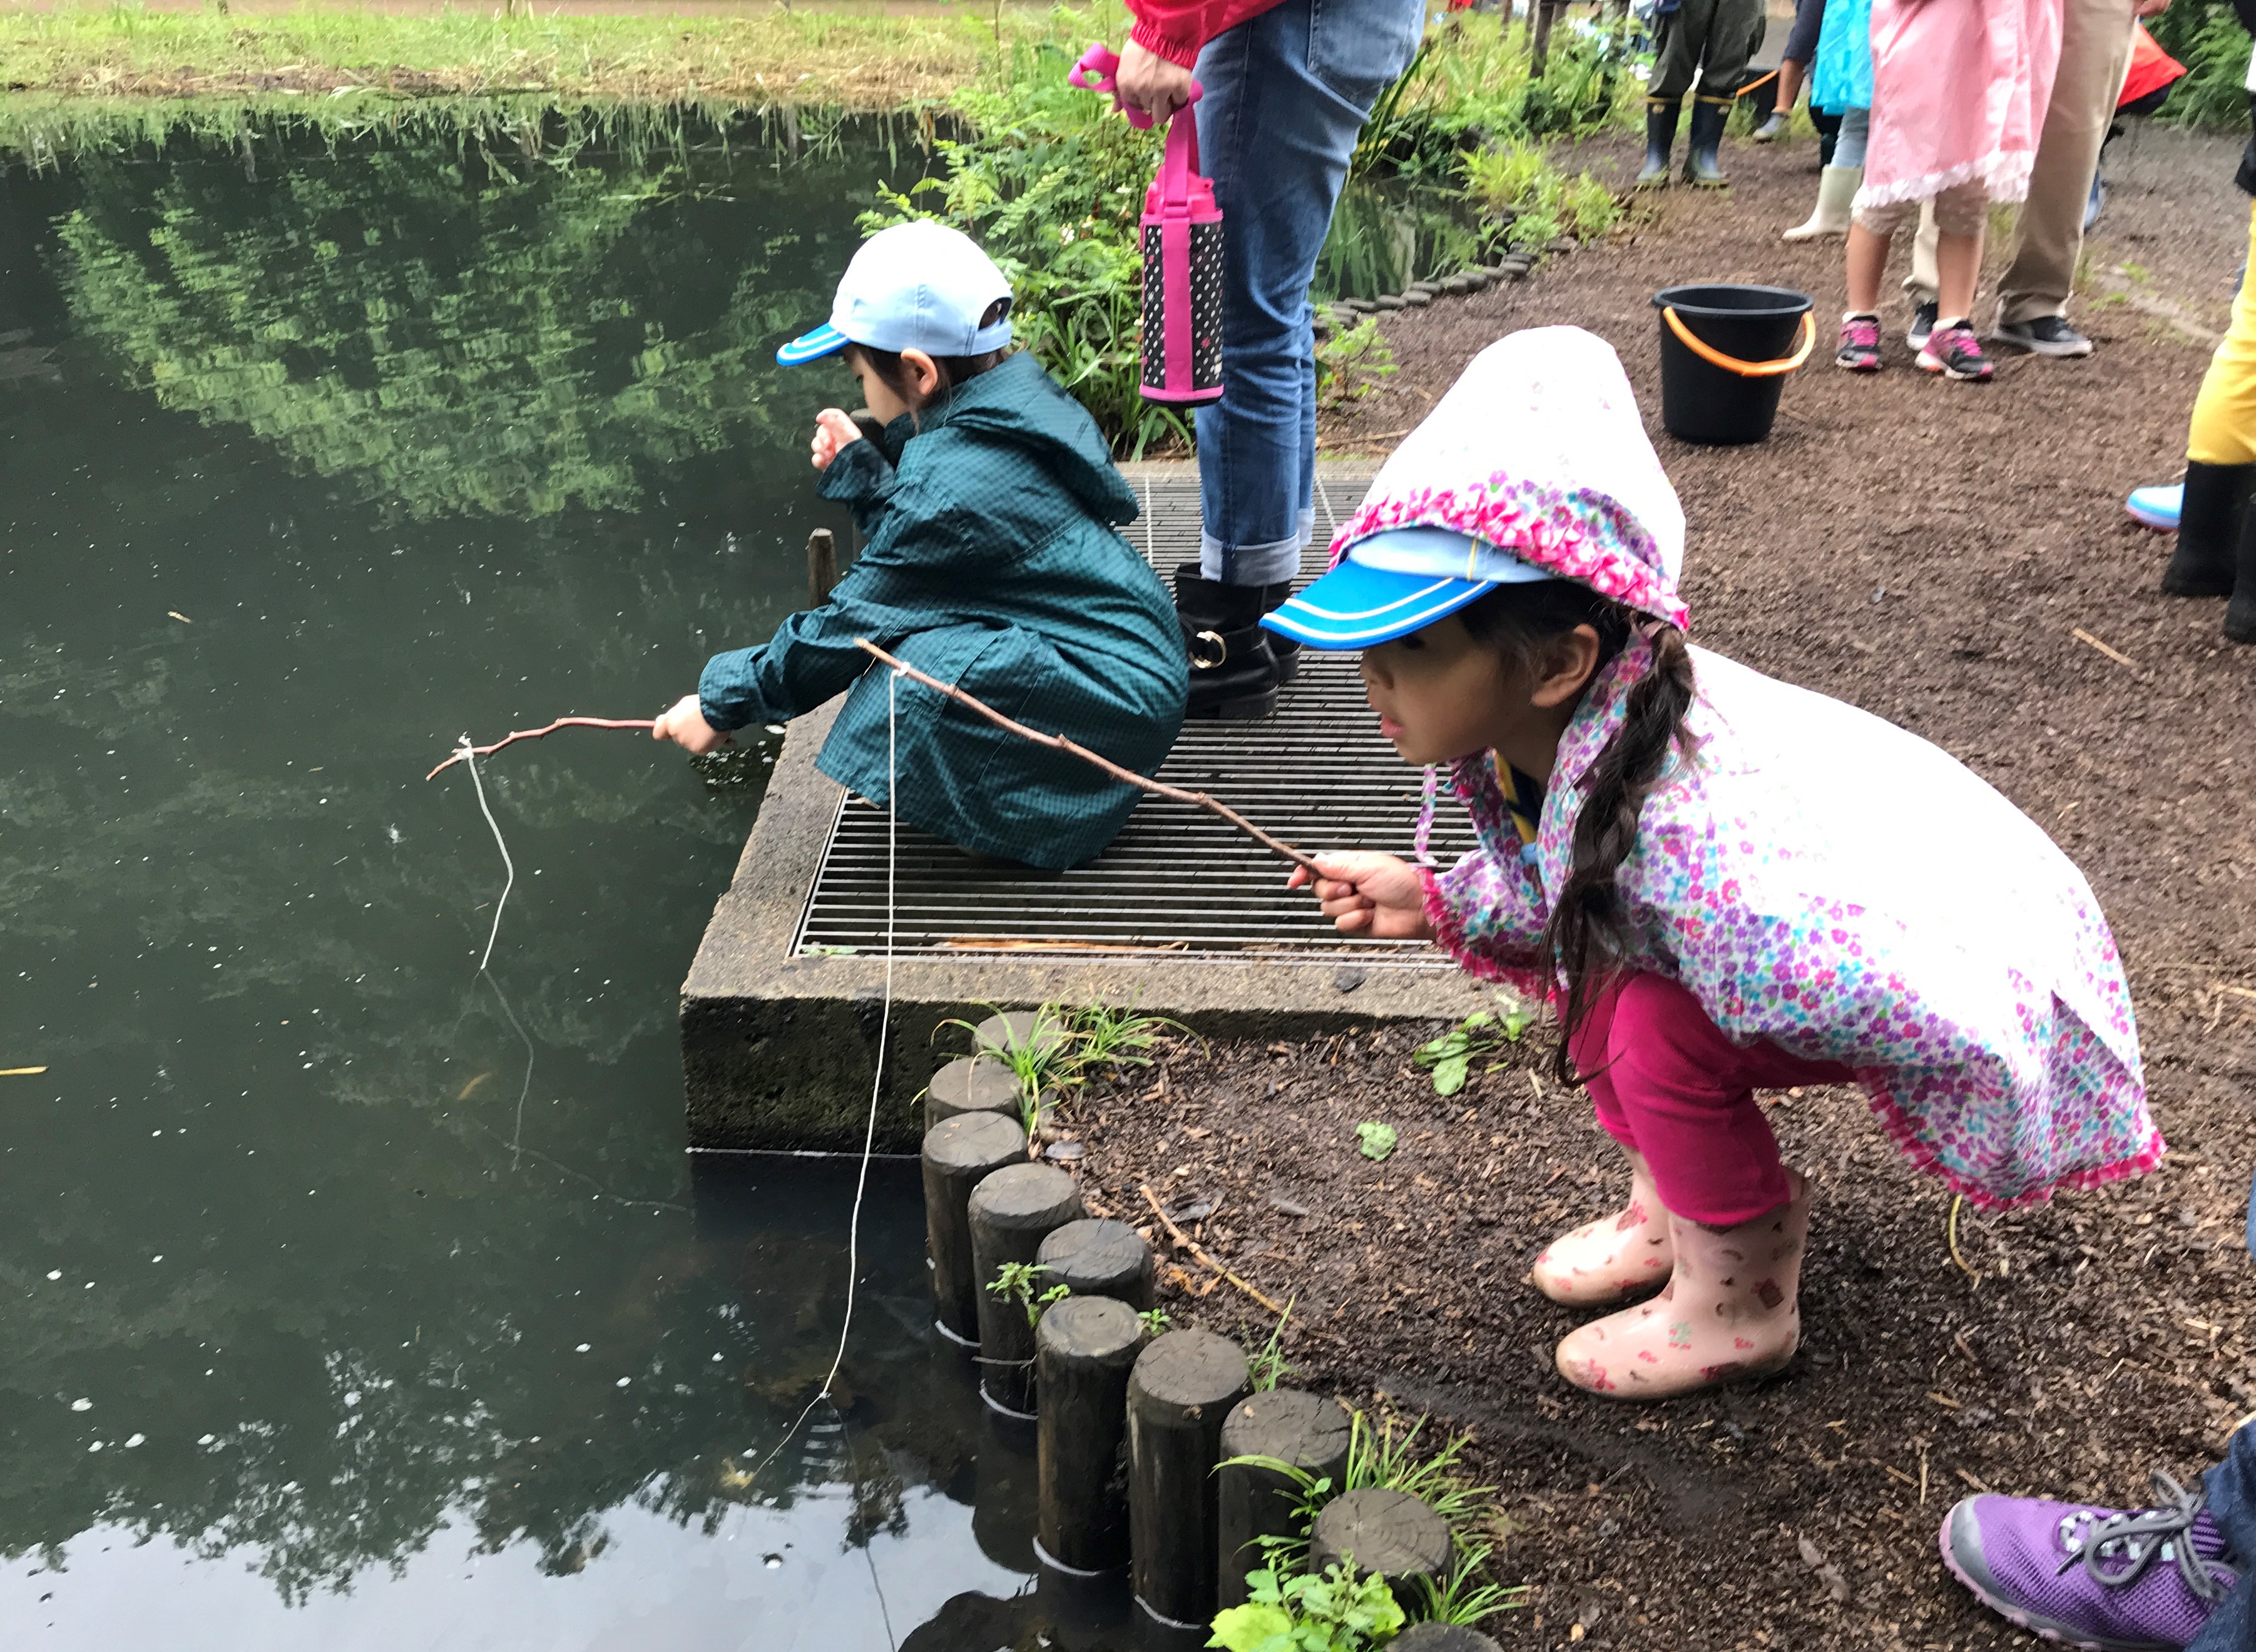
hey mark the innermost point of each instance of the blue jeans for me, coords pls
(2232, 1486)
(1286, 96)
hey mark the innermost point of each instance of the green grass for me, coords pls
(125, 51)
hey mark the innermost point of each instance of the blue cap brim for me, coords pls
(1358, 607)
(825, 339)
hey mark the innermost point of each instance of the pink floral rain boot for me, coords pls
(1728, 1312)
(1615, 1257)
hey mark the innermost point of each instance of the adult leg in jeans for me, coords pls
(1286, 96)
(2095, 48)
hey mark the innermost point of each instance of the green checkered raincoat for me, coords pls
(992, 561)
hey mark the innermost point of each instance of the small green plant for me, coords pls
(1480, 1036)
(1268, 1368)
(1338, 1611)
(1377, 1455)
(1016, 1281)
(1467, 1594)
(1377, 1138)
(1060, 1050)
(1156, 1320)
(1350, 364)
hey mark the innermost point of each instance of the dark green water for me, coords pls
(353, 1300)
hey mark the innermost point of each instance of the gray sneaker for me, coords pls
(1922, 324)
(2043, 335)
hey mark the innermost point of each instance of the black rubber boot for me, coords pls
(1659, 138)
(1701, 165)
(2240, 612)
(2210, 522)
(1286, 649)
(1234, 672)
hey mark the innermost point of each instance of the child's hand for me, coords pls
(684, 724)
(1376, 895)
(833, 430)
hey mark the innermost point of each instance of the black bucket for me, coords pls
(1725, 351)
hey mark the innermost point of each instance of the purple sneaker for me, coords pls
(2142, 1580)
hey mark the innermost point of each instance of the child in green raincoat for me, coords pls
(990, 509)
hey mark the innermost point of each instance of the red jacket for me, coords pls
(1176, 29)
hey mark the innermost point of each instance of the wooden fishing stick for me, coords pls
(1059, 743)
(533, 734)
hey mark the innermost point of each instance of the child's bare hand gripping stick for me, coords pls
(1376, 895)
(684, 724)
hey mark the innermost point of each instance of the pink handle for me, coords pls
(1099, 71)
(1178, 165)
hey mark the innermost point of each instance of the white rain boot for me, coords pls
(1837, 191)
(1729, 1312)
(1618, 1256)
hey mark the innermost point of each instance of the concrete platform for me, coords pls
(1182, 917)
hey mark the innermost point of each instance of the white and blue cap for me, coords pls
(1397, 581)
(916, 285)
(1535, 466)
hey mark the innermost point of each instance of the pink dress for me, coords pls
(1959, 93)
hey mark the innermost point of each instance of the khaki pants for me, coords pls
(2095, 53)
(2225, 414)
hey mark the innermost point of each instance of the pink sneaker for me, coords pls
(1860, 344)
(1956, 353)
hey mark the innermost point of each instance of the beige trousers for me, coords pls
(2095, 54)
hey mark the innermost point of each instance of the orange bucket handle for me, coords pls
(1715, 357)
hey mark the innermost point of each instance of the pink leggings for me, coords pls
(1669, 1084)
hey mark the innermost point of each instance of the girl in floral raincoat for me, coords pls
(1723, 882)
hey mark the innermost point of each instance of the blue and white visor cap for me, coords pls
(1394, 583)
(917, 285)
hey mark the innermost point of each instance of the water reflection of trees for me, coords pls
(554, 370)
(460, 327)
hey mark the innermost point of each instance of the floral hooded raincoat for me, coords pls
(1814, 875)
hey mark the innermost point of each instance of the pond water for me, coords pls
(356, 1298)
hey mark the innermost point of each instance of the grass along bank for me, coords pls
(124, 52)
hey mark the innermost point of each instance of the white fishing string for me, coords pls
(876, 1083)
(508, 865)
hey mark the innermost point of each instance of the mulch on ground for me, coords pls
(1928, 551)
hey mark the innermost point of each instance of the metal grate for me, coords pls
(1177, 879)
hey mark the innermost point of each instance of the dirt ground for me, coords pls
(1928, 551)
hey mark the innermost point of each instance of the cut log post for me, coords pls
(1084, 1350)
(1182, 1388)
(822, 566)
(1100, 1257)
(1003, 1491)
(1309, 1432)
(998, 1033)
(968, 1084)
(1442, 1637)
(1388, 1532)
(958, 1156)
(1010, 1213)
